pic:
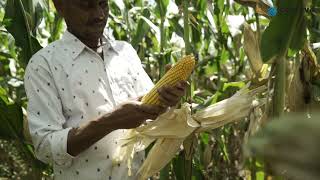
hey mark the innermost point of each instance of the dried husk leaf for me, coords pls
(259, 5)
(160, 155)
(252, 49)
(171, 129)
(295, 91)
(207, 156)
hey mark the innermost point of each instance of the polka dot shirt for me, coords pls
(68, 84)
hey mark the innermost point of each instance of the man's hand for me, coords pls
(126, 116)
(170, 96)
(133, 113)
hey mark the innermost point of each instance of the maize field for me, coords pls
(251, 110)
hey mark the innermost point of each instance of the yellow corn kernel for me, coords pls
(180, 71)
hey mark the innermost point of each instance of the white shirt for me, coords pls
(68, 84)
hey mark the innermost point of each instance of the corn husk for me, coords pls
(170, 130)
(174, 124)
(161, 154)
(251, 46)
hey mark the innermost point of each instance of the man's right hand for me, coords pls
(126, 116)
(133, 113)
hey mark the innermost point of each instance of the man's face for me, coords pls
(86, 18)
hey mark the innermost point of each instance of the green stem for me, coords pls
(162, 60)
(279, 91)
(253, 169)
(186, 27)
(187, 160)
(186, 37)
(164, 173)
(188, 156)
(162, 35)
(280, 81)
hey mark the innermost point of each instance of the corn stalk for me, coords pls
(280, 81)
(164, 173)
(163, 11)
(188, 143)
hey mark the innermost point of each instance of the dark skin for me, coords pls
(86, 20)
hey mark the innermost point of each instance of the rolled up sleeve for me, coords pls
(45, 114)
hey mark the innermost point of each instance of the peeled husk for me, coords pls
(171, 128)
(251, 46)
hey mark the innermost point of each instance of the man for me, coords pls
(83, 92)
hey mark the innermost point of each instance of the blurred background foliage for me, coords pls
(162, 31)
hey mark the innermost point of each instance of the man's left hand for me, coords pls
(170, 96)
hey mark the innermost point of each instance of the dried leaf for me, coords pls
(252, 48)
(295, 90)
(259, 5)
(160, 155)
(172, 128)
(207, 156)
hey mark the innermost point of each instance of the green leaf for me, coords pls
(164, 173)
(4, 95)
(178, 167)
(224, 56)
(278, 34)
(161, 8)
(153, 27)
(11, 120)
(205, 138)
(21, 30)
(237, 85)
(142, 29)
(177, 28)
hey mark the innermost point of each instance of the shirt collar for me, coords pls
(74, 46)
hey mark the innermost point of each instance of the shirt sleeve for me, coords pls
(143, 83)
(44, 113)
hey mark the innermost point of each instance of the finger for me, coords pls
(155, 116)
(164, 109)
(151, 109)
(182, 84)
(168, 102)
(174, 91)
(135, 98)
(168, 67)
(167, 94)
(140, 98)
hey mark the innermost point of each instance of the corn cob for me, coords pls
(180, 71)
